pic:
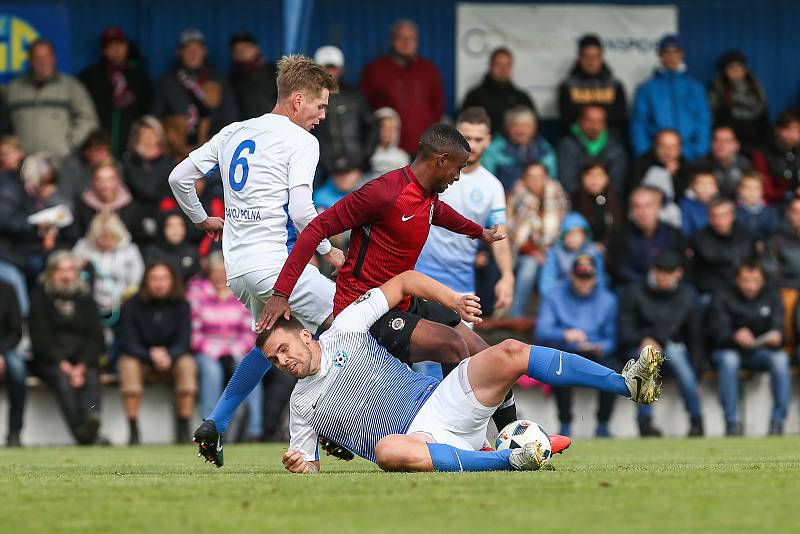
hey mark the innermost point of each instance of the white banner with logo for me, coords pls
(544, 39)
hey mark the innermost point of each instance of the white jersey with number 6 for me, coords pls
(260, 160)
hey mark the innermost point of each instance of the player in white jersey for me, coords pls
(479, 196)
(267, 165)
(405, 421)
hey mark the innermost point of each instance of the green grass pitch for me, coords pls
(712, 485)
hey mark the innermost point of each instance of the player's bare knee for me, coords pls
(390, 454)
(511, 351)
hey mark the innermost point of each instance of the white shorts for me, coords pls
(452, 414)
(311, 301)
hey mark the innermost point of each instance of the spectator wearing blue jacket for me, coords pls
(694, 206)
(521, 144)
(575, 240)
(752, 211)
(580, 316)
(671, 99)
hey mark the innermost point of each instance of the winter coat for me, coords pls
(602, 89)
(716, 257)
(573, 155)
(780, 167)
(413, 89)
(631, 253)
(603, 212)
(730, 311)
(694, 214)
(183, 257)
(559, 260)
(506, 161)
(254, 87)
(666, 316)
(761, 221)
(54, 117)
(17, 237)
(742, 105)
(497, 98)
(65, 326)
(118, 121)
(671, 100)
(349, 134)
(116, 271)
(156, 323)
(595, 314)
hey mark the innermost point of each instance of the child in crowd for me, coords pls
(388, 156)
(752, 211)
(11, 154)
(173, 247)
(344, 180)
(702, 190)
(575, 240)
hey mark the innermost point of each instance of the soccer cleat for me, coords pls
(209, 442)
(642, 375)
(559, 443)
(529, 457)
(335, 450)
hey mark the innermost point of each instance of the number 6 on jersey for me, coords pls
(238, 160)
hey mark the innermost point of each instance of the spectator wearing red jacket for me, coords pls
(407, 83)
(779, 160)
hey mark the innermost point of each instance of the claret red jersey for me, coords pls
(390, 217)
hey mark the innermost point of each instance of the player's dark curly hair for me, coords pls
(441, 138)
(291, 324)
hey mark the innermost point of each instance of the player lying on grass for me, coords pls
(352, 391)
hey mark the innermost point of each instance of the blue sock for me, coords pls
(245, 378)
(449, 458)
(559, 368)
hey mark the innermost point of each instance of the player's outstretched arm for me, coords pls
(418, 285)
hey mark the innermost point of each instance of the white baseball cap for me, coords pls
(329, 55)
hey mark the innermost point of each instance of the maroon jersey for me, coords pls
(390, 217)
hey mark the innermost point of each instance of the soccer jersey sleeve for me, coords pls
(302, 436)
(497, 209)
(450, 219)
(206, 157)
(362, 313)
(303, 164)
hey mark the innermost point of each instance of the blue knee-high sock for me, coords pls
(247, 375)
(559, 368)
(449, 458)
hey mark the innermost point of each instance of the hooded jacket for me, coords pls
(506, 161)
(671, 99)
(497, 98)
(595, 314)
(602, 89)
(573, 155)
(558, 263)
(116, 271)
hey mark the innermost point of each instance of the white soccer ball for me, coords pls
(518, 433)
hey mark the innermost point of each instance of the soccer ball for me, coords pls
(518, 433)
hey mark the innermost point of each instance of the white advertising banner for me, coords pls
(543, 38)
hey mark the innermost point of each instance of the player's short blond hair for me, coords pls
(298, 73)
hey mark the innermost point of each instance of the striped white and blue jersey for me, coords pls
(449, 257)
(361, 392)
(260, 160)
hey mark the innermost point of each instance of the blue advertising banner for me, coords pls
(23, 24)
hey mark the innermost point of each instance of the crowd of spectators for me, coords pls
(673, 222)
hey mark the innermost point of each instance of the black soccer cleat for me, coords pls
(334, 449)
(209, 442)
